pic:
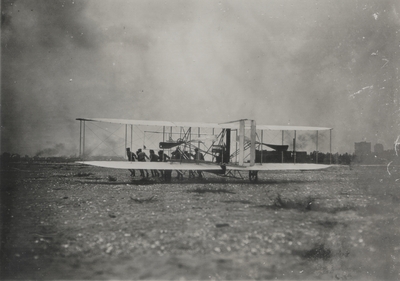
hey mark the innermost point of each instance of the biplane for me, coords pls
(228, 149)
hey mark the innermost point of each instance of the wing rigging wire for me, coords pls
(103, 141)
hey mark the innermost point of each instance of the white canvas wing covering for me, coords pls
(201, 166)
(152, 165)
(227, 125)
(278, 167)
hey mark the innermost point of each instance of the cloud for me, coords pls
(41, 43)
(279, 62)
(57, 150)
(346, 86)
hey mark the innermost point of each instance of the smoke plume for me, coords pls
(330, 63)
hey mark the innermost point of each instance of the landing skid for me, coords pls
(191, 174)
(253, 176)
(233, 174)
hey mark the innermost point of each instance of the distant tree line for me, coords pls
(327, 158)
(346, 159)
(384, 157)
(8, 158)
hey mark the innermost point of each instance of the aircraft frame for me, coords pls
(224, 161)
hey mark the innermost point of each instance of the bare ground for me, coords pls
(66, 221)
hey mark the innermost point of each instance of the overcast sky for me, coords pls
(332, 63)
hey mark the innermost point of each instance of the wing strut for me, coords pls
(241, 142)
(253, 143)
(82, 139)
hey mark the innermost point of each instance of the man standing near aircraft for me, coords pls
(198, 155)
(132, 158)
(154, 158)
(176, 154)
(141, 156)
(163, 158)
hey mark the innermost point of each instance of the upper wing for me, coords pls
(152, 165)
(160, 123)
(278, 167)
(226, 125)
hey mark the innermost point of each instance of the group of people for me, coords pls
(178, 154)
(141, 156)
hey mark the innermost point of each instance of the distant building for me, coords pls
(362, 148)
(362, 151)
(378, 148)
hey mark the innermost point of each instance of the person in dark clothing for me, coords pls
(164, 158)
(154, 158)
(141, 157)
(132, 158)
(218, 157)
(176, 154)
(198, 156)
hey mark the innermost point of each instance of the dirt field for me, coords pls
(66, 221)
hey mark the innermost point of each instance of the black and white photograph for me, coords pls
(200, 140)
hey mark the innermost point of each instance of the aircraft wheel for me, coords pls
(253, 176)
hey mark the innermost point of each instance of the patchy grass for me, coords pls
(144, 200)
(80, 175)
(336, 225)
(297, 204)
(318, 251)
(210, 190)
(237, 201)
(111, 178)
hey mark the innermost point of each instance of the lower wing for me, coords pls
(202, 166)
(153, 165)
(278, 167)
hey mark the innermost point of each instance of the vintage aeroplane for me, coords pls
(229, 149)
